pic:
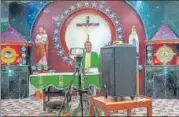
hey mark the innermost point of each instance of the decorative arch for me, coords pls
(124, 12)
(62, 22)
(37, 16)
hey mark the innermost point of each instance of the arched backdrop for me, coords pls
(125, 13)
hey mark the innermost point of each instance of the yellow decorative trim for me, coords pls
(8, 55)
(60, 82)
(41, 82)
(164, 54)
(118, 42)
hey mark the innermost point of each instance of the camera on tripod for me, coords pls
(77, 53)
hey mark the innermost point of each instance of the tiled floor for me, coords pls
(33, 107)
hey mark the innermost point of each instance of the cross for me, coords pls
(87, 24)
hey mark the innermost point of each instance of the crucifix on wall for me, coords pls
(87, 25)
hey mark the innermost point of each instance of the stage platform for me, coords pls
(33, 107)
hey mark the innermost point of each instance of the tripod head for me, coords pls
(78, 62)
(78, 55)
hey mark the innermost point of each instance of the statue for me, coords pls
(41, 42)
(134, 39)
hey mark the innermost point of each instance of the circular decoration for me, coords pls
(88, 4)
(165, 54)
(9, 55)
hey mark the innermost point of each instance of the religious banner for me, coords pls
(165, 49)
(164, 54)
(13, 47)
(10, 54)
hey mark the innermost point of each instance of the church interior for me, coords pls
(89, 58)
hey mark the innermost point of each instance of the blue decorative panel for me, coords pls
(171, 16)
(32, 11)
(4, 12)
(151, 13)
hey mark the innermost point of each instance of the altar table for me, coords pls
(60, 81)
(108, 105)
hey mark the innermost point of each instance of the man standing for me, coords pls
(90, 58)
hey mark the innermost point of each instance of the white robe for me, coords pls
(134, 40)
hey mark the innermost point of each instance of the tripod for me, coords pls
(80, 72)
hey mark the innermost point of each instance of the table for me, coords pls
(108, 105)
(60, 81)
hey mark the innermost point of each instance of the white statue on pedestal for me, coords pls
(134, 39)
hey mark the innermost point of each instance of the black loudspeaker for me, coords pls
(118, 68)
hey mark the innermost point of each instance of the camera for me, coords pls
(78, 56)
(77, 52)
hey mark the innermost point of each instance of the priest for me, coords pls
(90, 58)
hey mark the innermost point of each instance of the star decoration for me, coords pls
(72, 8)
(149, 54)
(149, 61)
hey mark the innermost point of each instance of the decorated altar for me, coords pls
(162, 70)
(60, 81)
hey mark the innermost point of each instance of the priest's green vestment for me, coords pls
(94, 60)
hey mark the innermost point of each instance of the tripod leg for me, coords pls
(66, 95)
(80, 92)
(81, 104)
(86, 81)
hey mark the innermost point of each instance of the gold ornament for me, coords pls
(118, 42)
(8, 55)
(164, 54)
